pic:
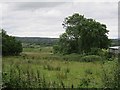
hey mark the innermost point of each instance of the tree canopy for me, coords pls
(10, 46)
(82, 34)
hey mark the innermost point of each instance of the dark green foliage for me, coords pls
(18, 78)
(109, 82)
(115, 42)
(105, 54)
(55, 48)
(84, 83)
(95, 51)
(88, 81)
(10, 46)
(82, 35)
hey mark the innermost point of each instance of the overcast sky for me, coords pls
(44, 19)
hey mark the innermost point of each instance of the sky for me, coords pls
(44, 19)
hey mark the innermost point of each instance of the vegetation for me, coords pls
(43, 69)
(29, 41)
(115, 42)
(80, 30)
(38, 41)
(79, 60)
(10, 46)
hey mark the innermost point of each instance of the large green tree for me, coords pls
(82, 35)
(10, 46)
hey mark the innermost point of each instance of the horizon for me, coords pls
(47, 37)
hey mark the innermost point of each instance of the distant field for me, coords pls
(57, 70)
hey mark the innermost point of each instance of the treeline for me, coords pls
(115, 42)
(38, 40)
(10, 46)
(52, 41)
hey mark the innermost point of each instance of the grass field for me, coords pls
(36, 66)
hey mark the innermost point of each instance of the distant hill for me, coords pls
(52, 41)
(115, 42)
(38, 40)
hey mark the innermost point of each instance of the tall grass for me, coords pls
(41, 69)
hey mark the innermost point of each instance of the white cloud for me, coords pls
(59, 0)
(45, 19)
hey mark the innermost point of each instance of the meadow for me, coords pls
(40, 68)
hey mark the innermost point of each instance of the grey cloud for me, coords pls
(45, 18)
(33, 5)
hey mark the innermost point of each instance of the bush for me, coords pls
(56, 49)
(110, 78)
(95, 51)
(10, 46)
(85, 82)
(90, 58)
(72, 57)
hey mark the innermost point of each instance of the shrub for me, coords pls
(72, 57)
(90, 58)
(106, 54)
(95, 51)
(10, 46)
(85, 82)
(56, 49)
(110, 79)
(101, 52)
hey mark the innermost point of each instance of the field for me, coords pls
(39, 67)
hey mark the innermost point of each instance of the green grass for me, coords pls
(55, 68)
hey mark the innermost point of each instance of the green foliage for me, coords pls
(104, 53)
(88, 71)
(84, 82)
(72, 57)
(51, 68)
(95, 51)
(10, 46)
(109, 82)
(82, 35)
(55, 48)
(88, 80)
(91, 58)
(37, 40)
(61, 75)
(115, 42)
(23, 79)
(67, 70)
(48, 70)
